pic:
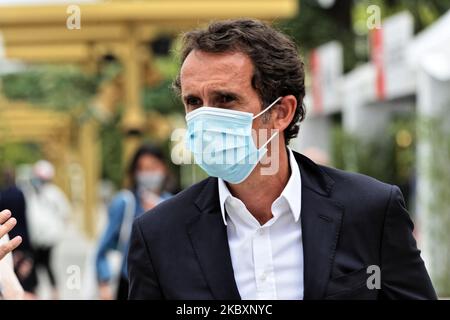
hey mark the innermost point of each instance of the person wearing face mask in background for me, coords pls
(48, 213)
(148, 174)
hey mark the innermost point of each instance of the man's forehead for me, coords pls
(202, 66)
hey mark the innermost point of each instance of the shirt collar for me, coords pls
(291, 192)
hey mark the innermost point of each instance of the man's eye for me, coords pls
(226, 99)
(194, 102)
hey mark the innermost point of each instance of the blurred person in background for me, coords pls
(10, 287)
(12, 198)
(148, 174)
(48, 212)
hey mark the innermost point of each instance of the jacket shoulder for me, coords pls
(356, 180)
(359, 191)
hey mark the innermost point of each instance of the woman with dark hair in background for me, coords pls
(147, 174)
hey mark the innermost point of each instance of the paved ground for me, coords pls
(73, 263)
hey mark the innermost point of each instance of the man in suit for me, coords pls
(301, 231)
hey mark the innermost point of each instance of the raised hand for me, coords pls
(6, 225)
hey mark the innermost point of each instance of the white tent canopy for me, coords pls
(430, 49)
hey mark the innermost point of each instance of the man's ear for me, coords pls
(284, 112)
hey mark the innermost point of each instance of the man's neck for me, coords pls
(258, 192)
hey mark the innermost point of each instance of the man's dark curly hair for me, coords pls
(278, 68)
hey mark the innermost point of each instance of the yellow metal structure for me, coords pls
(39, 33)
(156, 11)
(21, 122)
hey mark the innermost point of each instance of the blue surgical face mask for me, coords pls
(38, 182)
(222, 144)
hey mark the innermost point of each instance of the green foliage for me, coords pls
(111, 137)
(66, 87)
(382, 158)
(162, 99)
(14, 154)
(57, 87)
(109, 71)
(19, 153)
(314, 25)
(373, 158)
(168, 66)
(435, 133)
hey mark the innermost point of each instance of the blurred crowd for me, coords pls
(35, 215)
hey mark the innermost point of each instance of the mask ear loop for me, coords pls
(263, 147)
(270, 106)
(270, 139)
(274, 135)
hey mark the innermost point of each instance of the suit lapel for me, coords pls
(321, 219)
(210, 242)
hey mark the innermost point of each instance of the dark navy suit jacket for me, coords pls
(179, 250)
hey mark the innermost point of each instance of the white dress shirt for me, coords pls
(267, 260)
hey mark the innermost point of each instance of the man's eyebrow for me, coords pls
(222, 93)
(215, 94)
